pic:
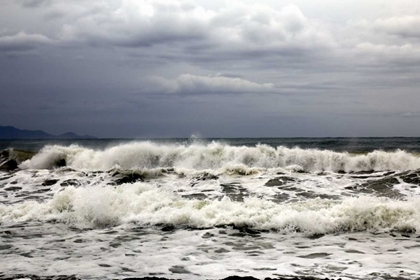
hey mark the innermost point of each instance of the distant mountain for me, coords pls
(10, 132)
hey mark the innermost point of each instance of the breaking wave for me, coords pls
(145, 204)
(217, 156)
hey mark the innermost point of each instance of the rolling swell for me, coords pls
(216, 156)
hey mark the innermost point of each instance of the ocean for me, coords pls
(194, 208)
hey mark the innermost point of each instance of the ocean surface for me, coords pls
(344, 208)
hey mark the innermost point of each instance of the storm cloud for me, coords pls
(174, 68)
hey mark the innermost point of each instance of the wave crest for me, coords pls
(148, 155)
(147, 205)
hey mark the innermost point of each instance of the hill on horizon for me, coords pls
(11, 132)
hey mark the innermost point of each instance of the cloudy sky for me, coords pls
(174, 68)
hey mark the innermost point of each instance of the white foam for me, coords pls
(218, 156)
(146, 204)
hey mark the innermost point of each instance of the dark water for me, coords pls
(352, 145)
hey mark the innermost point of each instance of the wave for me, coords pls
(144, 204)
(215, 156)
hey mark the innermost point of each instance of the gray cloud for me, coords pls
(134, 23)
(384, 41)
(405, 54)
(192, 84)
(410, 115)
(405, 26)
(237, 26)
(22, 41)
(34, 3)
